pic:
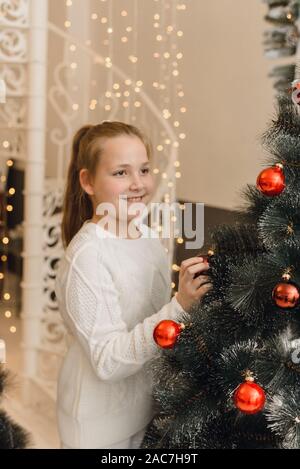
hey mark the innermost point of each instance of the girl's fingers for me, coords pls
(201, 280)
(204, 289)
(188, 263)
(196, 268)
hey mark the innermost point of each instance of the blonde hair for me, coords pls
(86, 150)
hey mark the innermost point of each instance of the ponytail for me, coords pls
(77, 206)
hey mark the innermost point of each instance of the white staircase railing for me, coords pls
(14, 25)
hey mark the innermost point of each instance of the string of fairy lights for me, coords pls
(167, 55)
(6, 207)
(170, 90)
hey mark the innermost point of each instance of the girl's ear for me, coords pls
(85, 181)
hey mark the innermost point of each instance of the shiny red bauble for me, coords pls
(296, 92)
(286, 295)
(271, 181)
(166, 333)
(249, 398)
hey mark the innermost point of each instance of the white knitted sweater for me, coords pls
(111, 292)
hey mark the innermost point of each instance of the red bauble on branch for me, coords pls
(286, 295)
(271, 181)
(296, 92)
(166, 333)
(249, 397)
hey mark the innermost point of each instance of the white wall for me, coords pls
(230, 99)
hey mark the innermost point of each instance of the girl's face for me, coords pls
(123, 170)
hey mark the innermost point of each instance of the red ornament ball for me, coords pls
(296, 92)
(271, 181)
(166, 333)
(286, 295)
(249, 398)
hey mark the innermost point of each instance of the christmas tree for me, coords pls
(231, 377)
(12, 436)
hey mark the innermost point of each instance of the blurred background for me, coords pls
(195, 75)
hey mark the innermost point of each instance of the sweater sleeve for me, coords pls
(94, 316)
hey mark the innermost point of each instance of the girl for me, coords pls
(112, 291)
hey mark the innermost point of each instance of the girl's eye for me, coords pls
(145, 171)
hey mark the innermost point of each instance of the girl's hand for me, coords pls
(191, 289)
